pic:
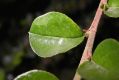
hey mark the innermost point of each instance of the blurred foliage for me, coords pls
(2, 74)
(16, 17)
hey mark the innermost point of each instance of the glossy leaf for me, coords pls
(104, 64)
(112, 8)
(36, 75)
(54, 33)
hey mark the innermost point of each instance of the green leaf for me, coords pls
(54, 33)
(112, 8)
(36, 75)
(92, 71)
(107, 54)
(104, 64)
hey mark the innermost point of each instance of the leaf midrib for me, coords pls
(54, 36)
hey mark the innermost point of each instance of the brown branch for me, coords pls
(87, 54)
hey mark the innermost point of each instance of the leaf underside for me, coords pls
(112, 12)
(46, 46)
(112, 8)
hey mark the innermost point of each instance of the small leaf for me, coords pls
(104, 64)
(112, 8)
(36, 75)
(54, 33)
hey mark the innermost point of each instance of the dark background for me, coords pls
(16, 16)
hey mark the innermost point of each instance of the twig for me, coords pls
(87, 54)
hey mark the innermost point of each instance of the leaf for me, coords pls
(112, 8)
(107, 54)
(54, 33)
(104, 64)
(36, 75)
(92, 71)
